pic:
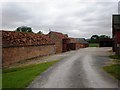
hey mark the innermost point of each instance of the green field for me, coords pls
(22, 76)
(93, 45)
(114, 70)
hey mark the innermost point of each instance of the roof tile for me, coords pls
(60, 35)
(12, 38)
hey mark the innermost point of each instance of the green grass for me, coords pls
(93, 45)
(114, 70)
(0, 81)
(115, 57)
(22, 76)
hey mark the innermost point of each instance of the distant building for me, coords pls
(64, 43)
(71, 44)
(116, 33)
(105, 42)
(58, 38)
(83, 42)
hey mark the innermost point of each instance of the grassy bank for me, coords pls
(93, 45)
(115, 57)
(22, 76)
(114, 67)
(0, 81)
(114, 70)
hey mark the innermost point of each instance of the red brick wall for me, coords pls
(117, 38)
(12, 55)
(117, 42)
(78, 46)
(58, 42)
(59, 47)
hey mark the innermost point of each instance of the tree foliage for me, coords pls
(96, 38)
(40, 32)
(24, 29)
(104, 36)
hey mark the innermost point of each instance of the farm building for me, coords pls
(83, 42)
(116, 33)
(64, 43)
(58, 38)
(71, 44)
(105, 42)
(19, 46)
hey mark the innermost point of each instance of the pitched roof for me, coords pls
(12, 38)
(60, 35)
(82, 40)
(73, 40)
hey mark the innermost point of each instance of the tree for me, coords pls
(24, 29)
(94, 39)
(40, 32)
(104, 36)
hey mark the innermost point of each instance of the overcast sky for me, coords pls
(77, 18)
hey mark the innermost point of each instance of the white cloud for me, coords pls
(78, 18)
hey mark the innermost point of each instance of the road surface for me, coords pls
(81, 69)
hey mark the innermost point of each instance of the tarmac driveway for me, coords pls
(81, 69)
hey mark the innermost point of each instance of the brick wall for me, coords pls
(78, 46)
(12, 55)
(117, 42)
(58, 42)
(59, 47)
(19, 46)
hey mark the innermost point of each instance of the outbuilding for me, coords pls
(105, 42)
(116, 33)
(59, 39)
(83, 42)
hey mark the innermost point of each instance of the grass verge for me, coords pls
(114, 70)
(0, 81)
(115, 57)
(93, 45)
(22, 76)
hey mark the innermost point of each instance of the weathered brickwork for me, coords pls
(58, 39)
(19, 46)
(116, 33)
(64, 43)
(12, 55)
(71, 44)
(12, 38)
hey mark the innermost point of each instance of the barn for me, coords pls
(83, 42)
(105, 42)
(64, 43)
(59, 39)
(71, 44)
(116, 33)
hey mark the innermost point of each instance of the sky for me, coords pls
(77, 18)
